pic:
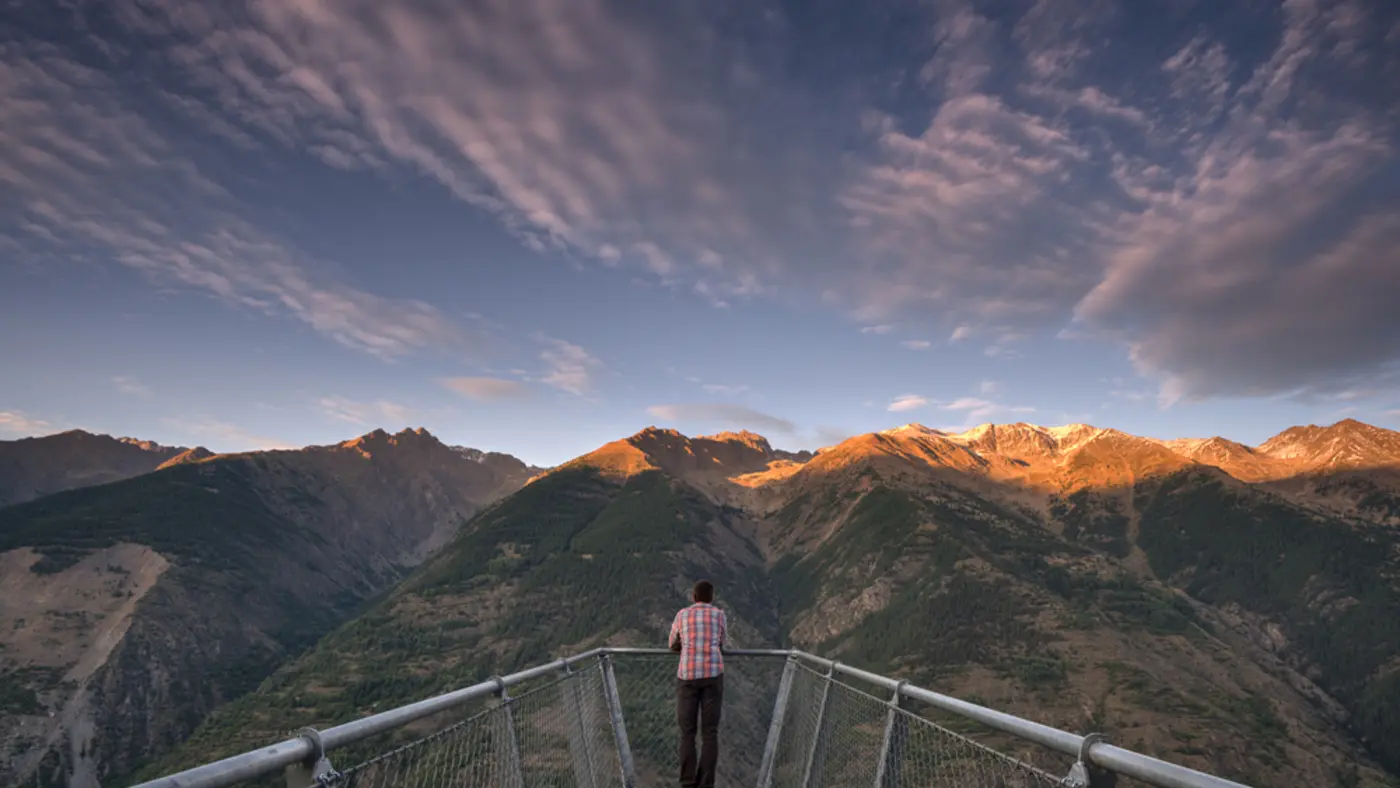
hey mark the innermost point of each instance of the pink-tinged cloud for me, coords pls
(486, 389)
(722, 414)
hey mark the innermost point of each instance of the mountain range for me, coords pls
(1233, 608)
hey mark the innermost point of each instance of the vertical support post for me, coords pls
(578, 729)
(892, 747)
(816, 755)
(514, 768)
(775, 727)
(619, 726)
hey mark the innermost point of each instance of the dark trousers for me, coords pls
(699, 698)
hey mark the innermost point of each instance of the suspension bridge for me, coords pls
(606, 718)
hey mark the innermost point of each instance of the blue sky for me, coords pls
(537, 225)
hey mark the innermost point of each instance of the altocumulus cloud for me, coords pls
(485, 388)
(1222, 201)
(88, 172)
(722, 414)
(18, 423)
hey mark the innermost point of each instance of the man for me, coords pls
(698, 633)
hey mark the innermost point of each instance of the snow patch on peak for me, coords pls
(978, 432)
(1072, 431)
(914, 428)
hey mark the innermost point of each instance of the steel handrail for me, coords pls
(269, 760)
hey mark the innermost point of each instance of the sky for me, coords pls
(535, 226)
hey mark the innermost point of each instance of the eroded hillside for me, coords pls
(132, 609)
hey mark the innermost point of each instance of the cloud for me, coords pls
(1218, 212)
(979, 184)
(569, 120)
(883, 328)
(720, 388)
(1258, 263)
(722, 414)
(980, 410)
(223, 437)
(906, 402)
(378, 414)
(989, 387)
(19, 424)
(129, 385)
(917, 344)
(568, 366)
(1223, 209)
(89, 176)
(488, 389)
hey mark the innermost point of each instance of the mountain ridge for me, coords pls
(204, 576)
(34, 467)
(1078, 576)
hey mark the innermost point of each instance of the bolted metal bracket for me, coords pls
(500, 688)
(316, 770)
(1084, 774)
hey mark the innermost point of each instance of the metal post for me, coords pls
(515, 775)
(578, 730)
(624, 750)
(892, 747)
(775, 727)
(819, 734)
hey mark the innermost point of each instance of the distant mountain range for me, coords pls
(1233, 608)
(131, 609)
(34, 467)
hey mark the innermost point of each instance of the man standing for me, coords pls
(698, 633)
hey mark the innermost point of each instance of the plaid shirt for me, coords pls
(700, 629)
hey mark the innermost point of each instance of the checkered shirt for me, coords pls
(700, 629)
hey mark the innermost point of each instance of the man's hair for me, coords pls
(704, 591)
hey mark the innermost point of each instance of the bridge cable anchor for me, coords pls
(1084, 774)
(316, 770)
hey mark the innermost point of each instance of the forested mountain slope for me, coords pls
(1082, 577)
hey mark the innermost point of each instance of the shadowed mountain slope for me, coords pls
(132, 609)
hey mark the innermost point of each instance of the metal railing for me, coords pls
(606, 718)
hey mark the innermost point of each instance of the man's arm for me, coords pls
(723, 630)
(675, 639)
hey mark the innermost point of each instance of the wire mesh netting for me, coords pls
(837, 735)
(559, 732)
(647, 688)
(552, 734)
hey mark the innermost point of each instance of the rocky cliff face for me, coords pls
(132, 609)
(34, 467)
(1081, 577)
